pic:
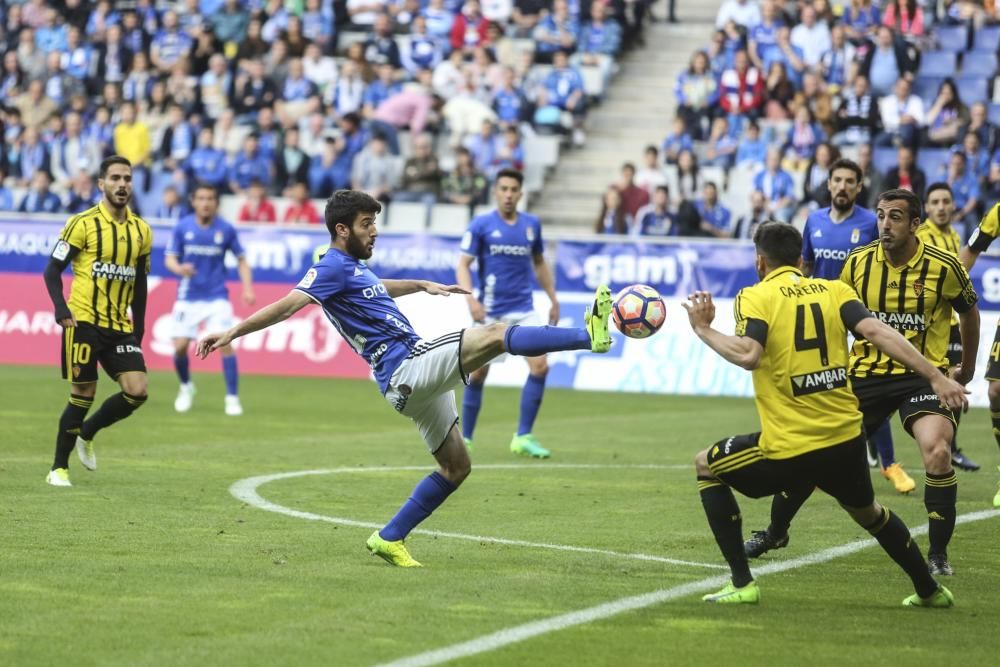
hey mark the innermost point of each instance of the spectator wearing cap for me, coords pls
(39, 198)
(327, 172)
(557, 31)
(256, 206)
(291, 163)
(469, 29)
(207, 164)
(301, 210)
(249, 165)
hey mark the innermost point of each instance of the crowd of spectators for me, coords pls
(784, 88)
(291, 98)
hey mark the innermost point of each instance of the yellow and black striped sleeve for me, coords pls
(75, 232)
(851, 309)
(987, 231)
(956, 287)
(751, 316)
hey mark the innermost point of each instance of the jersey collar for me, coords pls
(782, 271)
(917, 256)
(106, 214)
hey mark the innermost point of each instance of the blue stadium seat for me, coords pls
(938, 63)
(979, 63)
(926, 88)
(993, 113)
(987, 39)
(952, 38)
(884, 159)
(934, 162)
(972, 89)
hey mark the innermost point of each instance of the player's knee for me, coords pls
(938, 457)
(181, 347)
(136, 387)
(994, 394)
(478, 376)
(701, 464)
(495, 334)
(538, 366)
(457, 471)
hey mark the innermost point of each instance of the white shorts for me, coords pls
(422, 387)
(188, 316)
(528, 319)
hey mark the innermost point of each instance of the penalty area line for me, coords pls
(246, 490)
(520, 633)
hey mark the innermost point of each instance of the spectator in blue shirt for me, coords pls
(229, 23)
(655, 219)
(170, 44)
(83, 195)
(32, 157)
(556, 32)
(752, 149)
(764, 36)
(721, 148)
(353, 139)
(51, 36)
(327, 172)
(509, 102)
(318, 25)
(423, 51)
(564, 88)
(207, 164)
(788, 55)
(777, 186)
(716, 219)
(249, 165)
(439, 20)
(177, 140)
(483, 147)
(599, 42)
(965, 188)
(6, 196)
(39, 198)
(678, 140)
(977, 159)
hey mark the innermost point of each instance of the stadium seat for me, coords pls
(926, 88)
(229, 207)
(979, 63)
(541, 149)
(450, 219)
(406, 217)
(987, 38)
(593, 80)
(534, 177)
(884, 158)
(938, 63)
(972, 89)
(994, 113)
(952, 38)
(933, 162)
(716, 175)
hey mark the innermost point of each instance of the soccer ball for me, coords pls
(639, 311)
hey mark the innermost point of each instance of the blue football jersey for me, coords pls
(826, 244)
(205, 248)
(505, 255)
(357, 303)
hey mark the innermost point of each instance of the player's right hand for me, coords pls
(953, 395)
(187, 270)
(212, 341)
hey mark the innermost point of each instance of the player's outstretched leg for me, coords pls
(523, 441)
(894, 538)
(726, 522)
(182, 365)
(427, 496)
(69, 426)
(472, 402)
(115, 408)
(231, 375)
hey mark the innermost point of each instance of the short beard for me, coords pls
(355, 248)
(845, 209)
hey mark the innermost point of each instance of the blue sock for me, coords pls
(536, 341)
(882, 437)
(230, 373)
(472, 400)
(427, 496)
(531, 400)
(183, 367)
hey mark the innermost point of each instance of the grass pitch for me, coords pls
(151, 561)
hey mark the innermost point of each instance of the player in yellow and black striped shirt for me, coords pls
(980, 240)
(913, 288)
(939, 202)
(791, 331)
(109, 248)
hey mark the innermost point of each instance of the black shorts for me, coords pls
(993, 370)
(911, 395)
(955, 345)
(840, 470)
(85, 345)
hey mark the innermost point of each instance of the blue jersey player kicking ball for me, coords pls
(197, 253)
(416, 376)
(507, 248)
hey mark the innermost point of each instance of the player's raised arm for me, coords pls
(744, 351)
(278, 311)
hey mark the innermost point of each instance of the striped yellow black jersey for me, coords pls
(987, 231)
(105, 268)
(801, 384)
(917, 299)
(945, 238)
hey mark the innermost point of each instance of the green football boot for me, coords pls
(749, 594)
(596, 318)
(528, 446)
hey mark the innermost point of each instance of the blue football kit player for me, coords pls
(507, 247)
(416, 376)
(196, 252)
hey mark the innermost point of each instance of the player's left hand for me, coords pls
(249, 298)
(701, 310)
(443, 290)
(554, 313)
(212, 341)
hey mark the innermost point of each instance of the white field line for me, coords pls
(520, 633)
(246, 491)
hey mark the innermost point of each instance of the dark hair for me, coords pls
(844, 163)
(510, 173)
(711, 184)
(202, 185)
(913, 203)
(664, 189)
(779, 243)
(939, 185)
(112, 160)
(628, 165)
(619, 225)
(343, 207)
(652, 149)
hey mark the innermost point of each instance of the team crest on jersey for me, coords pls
(530, 234)
(918, 288)
(218, 237)
(855, 235)
(189, 236)
(307, 280)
